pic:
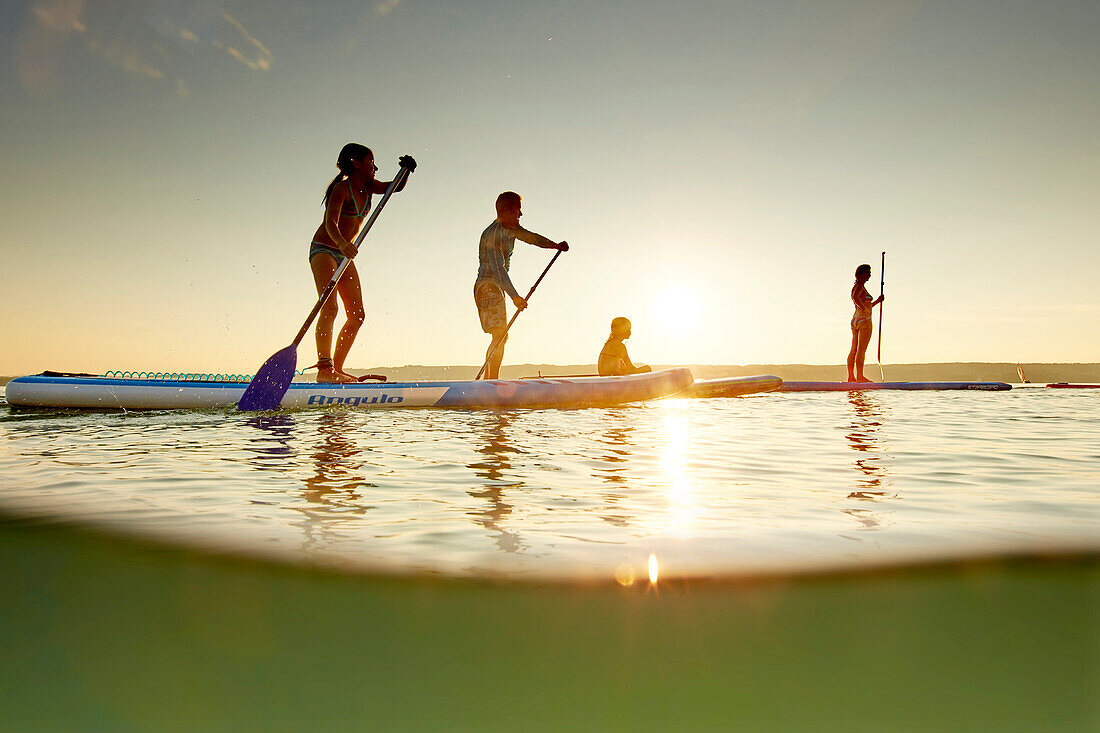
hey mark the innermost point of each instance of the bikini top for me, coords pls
(862, 301)
(351, 208)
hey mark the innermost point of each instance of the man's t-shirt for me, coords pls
(494, 254)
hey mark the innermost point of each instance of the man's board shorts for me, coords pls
(489, 298)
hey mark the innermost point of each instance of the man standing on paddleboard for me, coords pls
(494, 257)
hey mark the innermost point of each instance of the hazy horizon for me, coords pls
(1087, 372)
(719, 169)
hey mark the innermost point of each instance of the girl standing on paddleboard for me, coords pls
(347, 202)
(861, 323)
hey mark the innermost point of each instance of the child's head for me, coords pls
(354, 155)
(509, 206)
(863, 273)
(620, 327)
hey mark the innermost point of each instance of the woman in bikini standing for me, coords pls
(347, 201)
(861, 324)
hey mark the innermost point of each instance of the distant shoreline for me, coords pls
(1039, 373)
(914, 372)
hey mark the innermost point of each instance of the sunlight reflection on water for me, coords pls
(773, 483)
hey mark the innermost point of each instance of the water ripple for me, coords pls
(772, 483)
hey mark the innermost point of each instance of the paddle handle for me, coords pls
(327, 292)
(516, 314)
(881, 287)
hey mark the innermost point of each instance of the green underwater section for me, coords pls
(107, 634)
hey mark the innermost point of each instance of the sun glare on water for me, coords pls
(682, 511)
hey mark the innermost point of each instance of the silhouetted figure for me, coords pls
(861, 324)
(614, 361)
(494, 257)
(347, 201)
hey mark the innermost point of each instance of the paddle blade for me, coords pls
(271, 382)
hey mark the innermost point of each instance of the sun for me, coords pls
(677, 308)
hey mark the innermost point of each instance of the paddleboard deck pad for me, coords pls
(732, 386)
(107, 393)
(1065, 385)
(859, 386)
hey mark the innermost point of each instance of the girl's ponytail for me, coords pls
(328, 191)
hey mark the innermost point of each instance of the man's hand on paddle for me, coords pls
(518, 302)
(562, 246)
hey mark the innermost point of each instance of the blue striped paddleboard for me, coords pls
(107, 393)
(860, 386)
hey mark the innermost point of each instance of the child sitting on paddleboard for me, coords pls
(494, 258)
(861, 324)
(614, 361)
(347, 201)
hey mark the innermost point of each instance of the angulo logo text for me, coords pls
(382, 399)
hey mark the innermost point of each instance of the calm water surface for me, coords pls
(771, 483)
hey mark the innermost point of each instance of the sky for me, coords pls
(718, 168)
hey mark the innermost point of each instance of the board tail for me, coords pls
(271, 382)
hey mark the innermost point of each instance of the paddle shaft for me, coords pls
(327, 292)
(516, 315)
(881, 287)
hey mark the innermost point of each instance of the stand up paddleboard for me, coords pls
(106, 393)
(1066, 385)
(859, 386)
(731, 386)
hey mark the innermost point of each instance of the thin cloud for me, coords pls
(263, 63)
(387, 7)
(131, 37)
(248, 36)
(260, 65)
(380, 10)
(38, 52)
(131, 63)
(61, 16)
